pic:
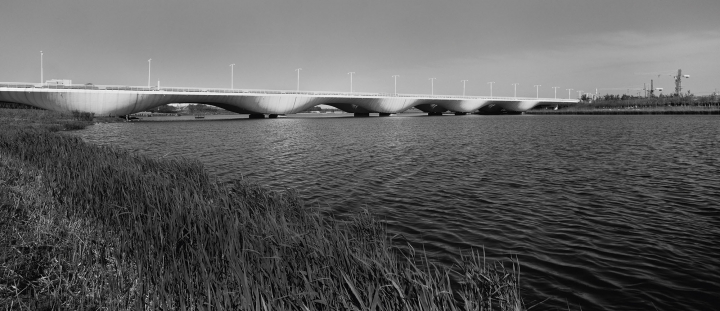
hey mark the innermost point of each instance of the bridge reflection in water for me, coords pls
(124, 100)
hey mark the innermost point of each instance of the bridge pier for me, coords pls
(434, 113)
(460, 113)
(272, 116)
(257, 116)
(360, 114)
(385, 114)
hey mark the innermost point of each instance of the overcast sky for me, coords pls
(612, 45)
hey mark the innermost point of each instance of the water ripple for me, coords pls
(604, 212)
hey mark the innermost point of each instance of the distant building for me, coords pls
(58, 82)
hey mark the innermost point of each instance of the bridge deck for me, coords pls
(123, 100)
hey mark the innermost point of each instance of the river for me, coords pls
(603, 212)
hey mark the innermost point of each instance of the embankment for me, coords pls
(656, 105)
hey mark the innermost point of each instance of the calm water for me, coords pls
(604, 212)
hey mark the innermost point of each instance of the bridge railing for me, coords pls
(255, 91)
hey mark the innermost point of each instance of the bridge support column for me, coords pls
(434, 113)
(257, 116)
(360, 114)
(384, 114)
(460, 113)
(272, 116)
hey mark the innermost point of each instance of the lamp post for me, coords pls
(491, 84)
(555, 87)
(41, 67)
(149, 63)
(515, 94)
(569, 92)
(537, 91)
(232, 76)
(432, 86)
(351, 74)
(298, 80)
(395, 76)
(463, 81)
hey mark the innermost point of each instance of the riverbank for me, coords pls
(627, 111)
(655, 105)
(86, 227)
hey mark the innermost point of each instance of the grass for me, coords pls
(92, 227)
(44, 120)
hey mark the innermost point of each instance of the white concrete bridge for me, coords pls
(124, 100)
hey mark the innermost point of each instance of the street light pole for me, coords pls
(232, 76)
(41, 67)
(149, 63)
(537, 91)
(432, 86)
(491, 84)
(515, 84)
(298, 80)
(463, 81)
(569, 92)
(555, 87)
(351, 74)
(395, 76)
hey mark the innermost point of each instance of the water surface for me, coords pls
(603, 212)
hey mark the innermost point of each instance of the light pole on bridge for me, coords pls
(149, 63)
(515, 94)
(232, 76)
(555, 87)
(395, 76)
(351, 74)
(491, 84)
(537, 91)
(41, 67)
(569, 92)
(298, 80)
(432, 86)
(463, 81)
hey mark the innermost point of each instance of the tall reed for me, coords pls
(177, 239)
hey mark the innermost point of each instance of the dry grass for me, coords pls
(95, 227)
(44, 120)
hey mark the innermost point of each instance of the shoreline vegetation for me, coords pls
(638, 105)
(86, 227)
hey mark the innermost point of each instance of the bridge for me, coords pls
(124, 100)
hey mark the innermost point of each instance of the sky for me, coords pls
(610, 45)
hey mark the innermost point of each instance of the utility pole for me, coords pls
(351, 74)
(537, 91)
(556, 87)
(395, 76)
(463, 81)
(569, 92)
(515, 93)
(432, 86)
(41, 67)
(149, 63)
(491, 84)
(298, 79)
(232, 76)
